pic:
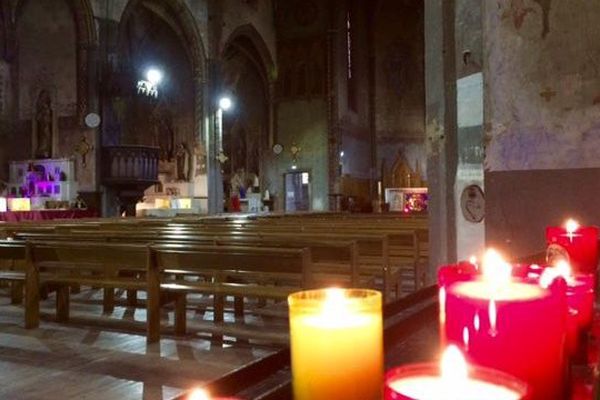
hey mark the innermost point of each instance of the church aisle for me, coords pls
(78, 360)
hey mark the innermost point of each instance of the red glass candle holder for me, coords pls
(580, 247)
(463, 271)
(499, 385)
(522, 331)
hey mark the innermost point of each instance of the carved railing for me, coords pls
(129, 164)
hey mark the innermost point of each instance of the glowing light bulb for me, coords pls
(476, 322)
(154, 76)
(466, 337)
(225, 103)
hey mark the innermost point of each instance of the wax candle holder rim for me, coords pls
(489, 375)
(356, 297)
(455, 291)
(580, 228)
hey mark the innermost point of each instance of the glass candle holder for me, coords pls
(336, 344)
(423, 382)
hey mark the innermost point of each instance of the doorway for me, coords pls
(297, 191)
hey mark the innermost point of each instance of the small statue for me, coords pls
(183, 163)
(80, 203)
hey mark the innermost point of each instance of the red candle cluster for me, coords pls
(578, 245)
(522, 320)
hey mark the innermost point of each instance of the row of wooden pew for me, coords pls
(258, 258)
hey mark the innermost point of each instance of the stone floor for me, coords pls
(82, 360)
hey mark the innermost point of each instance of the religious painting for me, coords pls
(393, 197)
(407, 200)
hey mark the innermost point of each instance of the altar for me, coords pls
(47, 183)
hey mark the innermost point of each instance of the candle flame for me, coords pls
(495, 269)
(334, 296)
(476, 322)
(334, 305)
(571, 225)
(198, 394)
(453, 366)
(473, 261)
(561, 269)
(493, 316)
(442, 301)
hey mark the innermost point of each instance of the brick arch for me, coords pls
(87, 40)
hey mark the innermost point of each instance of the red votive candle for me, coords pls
(580, 300)
(580, 297)
(463, 271)
(579, 245)
(513, 326)
(454, 380)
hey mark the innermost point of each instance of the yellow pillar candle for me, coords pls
(336, 344)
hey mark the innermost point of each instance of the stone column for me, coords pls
(212, 141)
(441, 129)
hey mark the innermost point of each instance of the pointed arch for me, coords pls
(86, 41)
(179, 17)
(246, 39)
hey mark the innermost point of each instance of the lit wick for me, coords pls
(571, 226)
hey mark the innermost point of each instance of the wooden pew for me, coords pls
(63, 264)
(335, 262)
(258, 263)
(11, 253)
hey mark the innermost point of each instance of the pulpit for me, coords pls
(129, 170)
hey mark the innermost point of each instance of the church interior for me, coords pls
(299, 199)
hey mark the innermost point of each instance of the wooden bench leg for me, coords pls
(16, 292)
(108, 300)
(218, 314)
(238, 307)
(32, 292)
(44, 290)
(62, 304)
(153, 299)
(180, 314)
(131, 298)
(219, 308)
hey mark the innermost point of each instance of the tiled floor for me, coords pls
(83, 360)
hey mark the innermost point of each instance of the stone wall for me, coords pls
(400, 87)
(542, 110)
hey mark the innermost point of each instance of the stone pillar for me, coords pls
(440, 80)
(212, 141)
(470, 230)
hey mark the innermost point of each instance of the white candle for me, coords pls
(451, 382)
